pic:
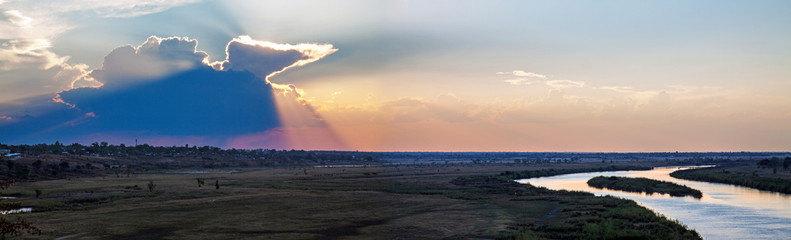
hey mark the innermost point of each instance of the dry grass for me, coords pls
(277, 203)
(380, 202)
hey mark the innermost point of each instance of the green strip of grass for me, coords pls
(644, 185)
(724, 175)
(553, 172)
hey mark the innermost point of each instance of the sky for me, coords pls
(399, 75)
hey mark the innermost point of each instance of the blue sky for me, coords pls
(450, 75)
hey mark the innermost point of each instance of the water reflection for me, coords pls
(724, 212)
(15, 211)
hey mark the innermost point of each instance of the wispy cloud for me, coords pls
(562, 84)
(22, 53)
(519, 81)
(523, 77)
(17, 18)
(30, 67)
(520, 73)
(529, 78)
(100, 8)
(620, 89)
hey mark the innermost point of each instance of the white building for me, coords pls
(13, 156)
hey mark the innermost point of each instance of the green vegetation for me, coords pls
(645, 185)
(607, 218)
(553, 171)
(418, 201)
(59, 161)
(103, 191)
(763, 176)
(584, 216)
(15, 226)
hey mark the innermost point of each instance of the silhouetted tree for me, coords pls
(151, 186)
(771, 162)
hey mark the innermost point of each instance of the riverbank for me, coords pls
(724, 212)
(643, 185)
(582, 215)
(745, 174)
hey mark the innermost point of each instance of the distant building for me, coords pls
(13, 156)
(5, 151)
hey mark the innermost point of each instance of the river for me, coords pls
(724, 212)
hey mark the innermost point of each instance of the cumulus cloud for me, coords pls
(267, 58)
(200, 102)
(156, 57)
(27, 29)
(166, 89)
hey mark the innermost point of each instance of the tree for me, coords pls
(13, 227)
(37, 164)
(64, 165)
(773, 162)
(151, 186)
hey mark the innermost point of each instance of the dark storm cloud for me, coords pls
(162, 88)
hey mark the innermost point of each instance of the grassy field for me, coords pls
(746, 174)
(325, 203)
(643, 185)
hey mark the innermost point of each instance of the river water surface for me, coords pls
(724, 212)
